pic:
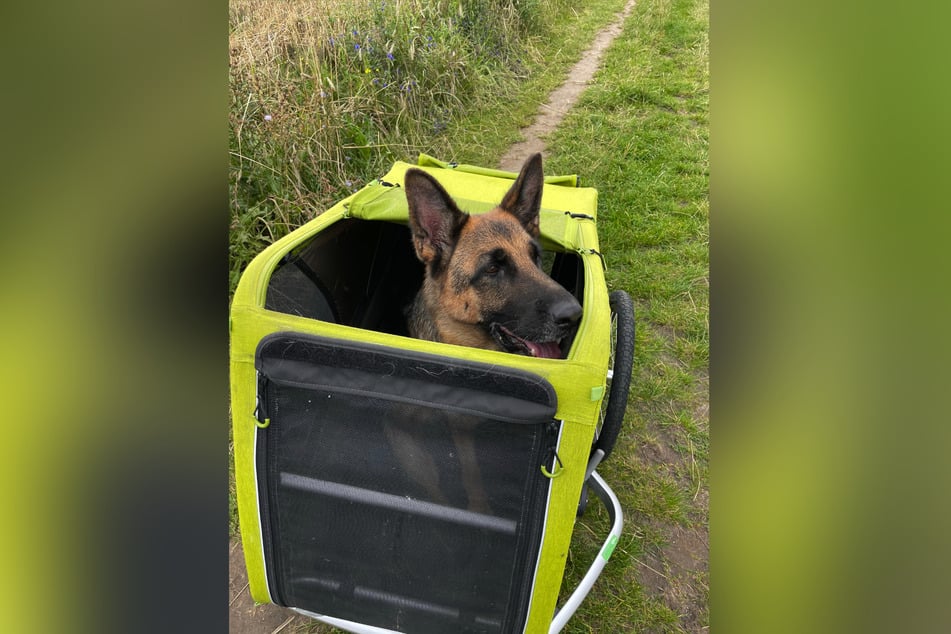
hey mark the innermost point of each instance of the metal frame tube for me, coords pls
(610, 501)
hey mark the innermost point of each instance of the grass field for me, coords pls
(326, 95)
(639, 135)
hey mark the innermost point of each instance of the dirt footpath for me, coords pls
(564, 97)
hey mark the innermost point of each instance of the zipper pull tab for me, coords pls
(557, 466)
(260, 410)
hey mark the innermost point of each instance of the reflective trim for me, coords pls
(541, 545)
(257, 500)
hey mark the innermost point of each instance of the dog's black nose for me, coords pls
(565, 312)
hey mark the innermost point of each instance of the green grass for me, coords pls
(326, 95)
(640, 135)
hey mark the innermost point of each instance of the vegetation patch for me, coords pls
(326, 95)
(641, 133)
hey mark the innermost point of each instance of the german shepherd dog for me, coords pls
(483, 287)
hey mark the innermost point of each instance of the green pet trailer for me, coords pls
(321, 365)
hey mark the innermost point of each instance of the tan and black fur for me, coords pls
(484, 286)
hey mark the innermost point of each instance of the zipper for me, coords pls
(551, 452)
(540, 488)
(262, 415)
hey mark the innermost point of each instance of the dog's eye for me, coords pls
(495, 264)
(536, 254)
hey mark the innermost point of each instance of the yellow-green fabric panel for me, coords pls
(593, 343)
(573, 379)
(382, 203)
(243, 384)
(574, 449)
(489, 189)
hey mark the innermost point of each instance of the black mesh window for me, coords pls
(400, 490)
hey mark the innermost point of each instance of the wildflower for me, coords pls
(389, 56)
(267, 117)
(332, 42)
(366, 71)
(348, 183)
(356, 47)
(323, 94)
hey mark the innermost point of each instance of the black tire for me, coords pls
(622, 328)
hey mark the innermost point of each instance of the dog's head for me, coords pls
(484, 282)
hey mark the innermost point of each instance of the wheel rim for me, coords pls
(610, 376)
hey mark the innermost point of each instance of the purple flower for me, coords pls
(389, 56)
(356, 47)
(348, 183)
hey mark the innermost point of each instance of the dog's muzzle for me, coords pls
(511, 342)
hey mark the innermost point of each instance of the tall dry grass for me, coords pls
(325, 95)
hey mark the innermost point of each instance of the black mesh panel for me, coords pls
(412, 502)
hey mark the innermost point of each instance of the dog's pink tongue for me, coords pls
(546, 350)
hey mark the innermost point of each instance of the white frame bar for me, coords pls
(610, 501)
(349, 626)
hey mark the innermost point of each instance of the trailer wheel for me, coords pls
(619, 372)
(618, 382)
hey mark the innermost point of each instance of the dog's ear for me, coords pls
(524, 198)
(434, 219)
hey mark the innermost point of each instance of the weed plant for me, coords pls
(325, 95)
